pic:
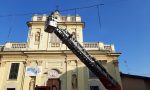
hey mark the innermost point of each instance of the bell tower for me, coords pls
(38, 39)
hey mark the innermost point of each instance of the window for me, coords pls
(14, 71)
(10, 88)
(92, 75)
(94, 88)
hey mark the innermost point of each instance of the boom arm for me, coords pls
(107, 80)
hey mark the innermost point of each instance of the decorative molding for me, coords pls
(41, 36)
(31, 35)
(68, 62)
(25, 63)
(39, 63)
(28, 63)
(72, 62)
(104, 62)
(115, 62)
(3, 63)
(54, 73)
(54, 64)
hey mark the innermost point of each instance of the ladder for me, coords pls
(107, 80)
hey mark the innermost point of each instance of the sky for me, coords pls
(124, 23)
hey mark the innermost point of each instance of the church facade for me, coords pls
(45, 62)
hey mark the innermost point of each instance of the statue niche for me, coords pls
(32, 83)
(74, 81)
(37, 37)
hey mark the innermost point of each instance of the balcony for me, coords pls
(91, 45)
(86, 45)
(60, 46)
(15, 47)
(98, 46)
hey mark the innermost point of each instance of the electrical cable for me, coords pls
(81, 7)
(99, 17)
(10, 28)
(31, 13)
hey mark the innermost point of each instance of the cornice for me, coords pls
(11, 53)
(59, 23)
(93, 52)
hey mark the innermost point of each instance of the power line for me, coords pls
(31, 13)
(24, 14)
(81, 7)
(99, 17)
(10, 28)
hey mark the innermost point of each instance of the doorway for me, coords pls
(52, 84)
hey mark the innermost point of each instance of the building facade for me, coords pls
(44, 61)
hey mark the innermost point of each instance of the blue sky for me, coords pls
(125, 23)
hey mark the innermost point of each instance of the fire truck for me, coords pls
(107, 80)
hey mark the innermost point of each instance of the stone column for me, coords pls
(2, 74)
(81, 76)
(38, 77)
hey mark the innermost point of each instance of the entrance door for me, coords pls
(53, 84)
(42, 88)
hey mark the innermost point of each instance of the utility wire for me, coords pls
(81, 7)
(24, 14)
(99, 17)
(10, 28)
(31, 13)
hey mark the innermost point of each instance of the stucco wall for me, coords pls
(135, 83)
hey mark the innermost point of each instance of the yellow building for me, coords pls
(45, 61)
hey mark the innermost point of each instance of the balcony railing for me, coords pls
(60, 46)
(90, 45)
(97, 46)
(86, 45)
(108, 47)
(15, 46)
(19, 45)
